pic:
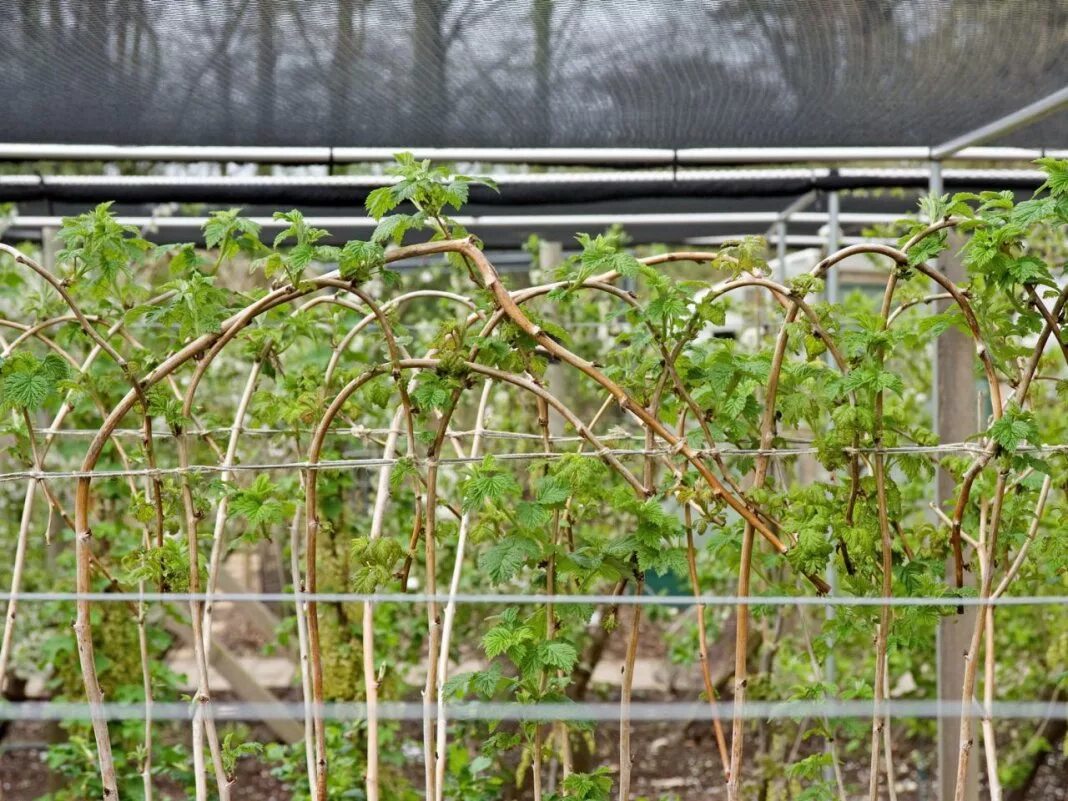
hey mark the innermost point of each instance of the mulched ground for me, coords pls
(673, 761)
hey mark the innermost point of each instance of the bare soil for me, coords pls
(671, 761)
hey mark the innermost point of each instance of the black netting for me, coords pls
(671, 73)
(668, 223)
(340, 191)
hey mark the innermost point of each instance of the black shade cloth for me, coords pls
(558, 193)
(512, 236)
(527, 73)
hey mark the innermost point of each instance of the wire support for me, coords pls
(512, 599)
(360, 463)
(638, 711)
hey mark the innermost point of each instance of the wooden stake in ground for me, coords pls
(957, 400)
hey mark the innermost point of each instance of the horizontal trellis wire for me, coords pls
(360, 432)
(639, 711)
(509, 599)
(368, 462)
(648, 711)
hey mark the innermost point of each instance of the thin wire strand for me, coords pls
(542, 711)
(360, 463)
(511, 599)
(361, 432)
(358, 431)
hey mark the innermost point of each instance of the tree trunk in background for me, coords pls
(429, 91)
(225, 100)
(266, 84)
(342, 72)
(542, 19)
(957, 419)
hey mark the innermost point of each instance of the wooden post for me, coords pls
(49, 247)
(956, 407)
(832, 286)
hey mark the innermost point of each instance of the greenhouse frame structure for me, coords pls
(783, 200)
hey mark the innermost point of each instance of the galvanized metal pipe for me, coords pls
(32, 151)
(1026, 116)
(576, 221)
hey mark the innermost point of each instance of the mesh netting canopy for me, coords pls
(528, 73)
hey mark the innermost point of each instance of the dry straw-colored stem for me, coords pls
(882, 637)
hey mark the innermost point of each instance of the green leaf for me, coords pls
(232, 751)
(298, 229)
(1030, 270)
(595, 786)
(1056, 175)
(29, 381)
(926, 249)
(1016, 426)
(502, 561)
(552, 491)
(496, 641)
(811, 769)
(166, 566)
(229, 232)
(404, 469)
(602, 254)
(395, 226)
(302, 253)
(184, 258)
(163, 403)
(359, 261)
(487, 482)
(662, 560)
(432, 391)
(456, 685)
(27, 390)
(1032, 211)
(196, 306)
(805, 284)
(503, 638)
(557, 654)
(485, 682)
(667, 306)
(811, 552)
(429, 188)
(872, 377)
(262, 503)
(532, 515)
(101, 248)
(749, 255)
(380, 202)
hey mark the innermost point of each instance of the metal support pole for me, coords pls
(1018, 119)
(798, 206)
(189, 226)
(617, 156)
(780, 251)
(833, 235)
(935, 185)
(49, 246)
(778, 229)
